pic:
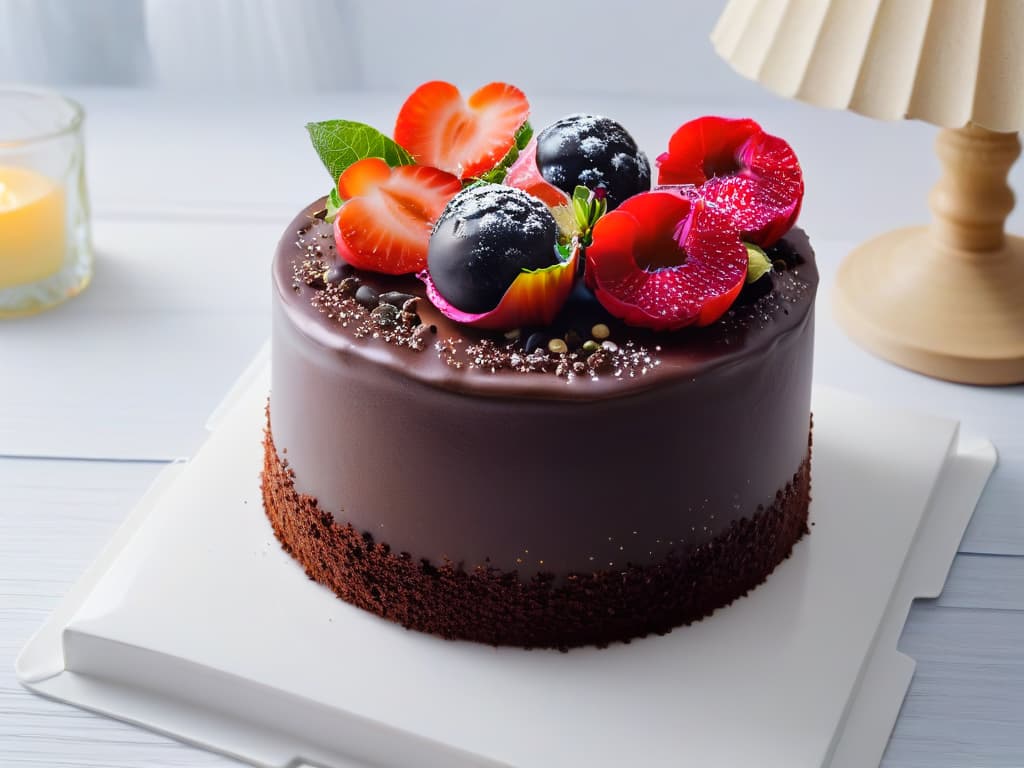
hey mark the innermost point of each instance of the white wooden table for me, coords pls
(95, 396)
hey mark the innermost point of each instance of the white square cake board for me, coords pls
(196, 624)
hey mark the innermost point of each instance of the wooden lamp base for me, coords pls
(946, 300)
(954, 316)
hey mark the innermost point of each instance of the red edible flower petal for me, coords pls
(534, 298)
(664, 261)
(525, 175)
(753, 177)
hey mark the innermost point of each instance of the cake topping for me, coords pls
(751, 176)
(758, 263)
(335, 273)
(588, 206)
(551, 356)
(497, 224)
(366, 296)
(592, 151)
(759, 275)
(340, 143)
(485, 237)
(385, 222)
(665, 260)
(466, 137)
(399, 300)
(598, 347)
(525, 175)
(494, 260)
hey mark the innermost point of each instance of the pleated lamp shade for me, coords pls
(958, 64)
(947, 62)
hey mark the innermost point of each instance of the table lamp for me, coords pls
(945, 299)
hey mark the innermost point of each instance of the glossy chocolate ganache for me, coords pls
(470, 485)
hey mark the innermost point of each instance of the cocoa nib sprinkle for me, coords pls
(621, 362)
(343, 298)
(789, 288)
(393, 317)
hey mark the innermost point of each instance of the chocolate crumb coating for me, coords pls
(494, 606)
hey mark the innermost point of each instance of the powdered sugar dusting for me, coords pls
(498, 208)
(621, 160)
(593, 146)
(592, 150)
(580, 126)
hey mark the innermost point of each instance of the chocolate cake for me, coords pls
(553, 417)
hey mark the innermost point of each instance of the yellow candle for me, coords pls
(32, 227)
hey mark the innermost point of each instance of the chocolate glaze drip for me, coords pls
(528, 471)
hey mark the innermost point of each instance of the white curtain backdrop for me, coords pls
(45, 41)
(191, 44)
(643, 47)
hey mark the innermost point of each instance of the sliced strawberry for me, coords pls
(362, 177)
(664, 260)
(385, 223)
(525, 175)
(465, 137)
(753, 177)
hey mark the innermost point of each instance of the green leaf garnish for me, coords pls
(334, 203)
(339, 143)
(524, 134)
(582, 211)
(588, 207)
(497, 174)
(758, 264)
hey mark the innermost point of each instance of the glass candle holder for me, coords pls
(45, 243)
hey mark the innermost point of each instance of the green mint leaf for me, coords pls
(524, 134)
(498, 173)
(582, 211)
(339, 143)
(758, 264)
(587, 208)
(334, 203)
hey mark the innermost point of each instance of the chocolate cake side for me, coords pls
(528, 470)
(494, 606)
(527, 399)
(473, 499)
